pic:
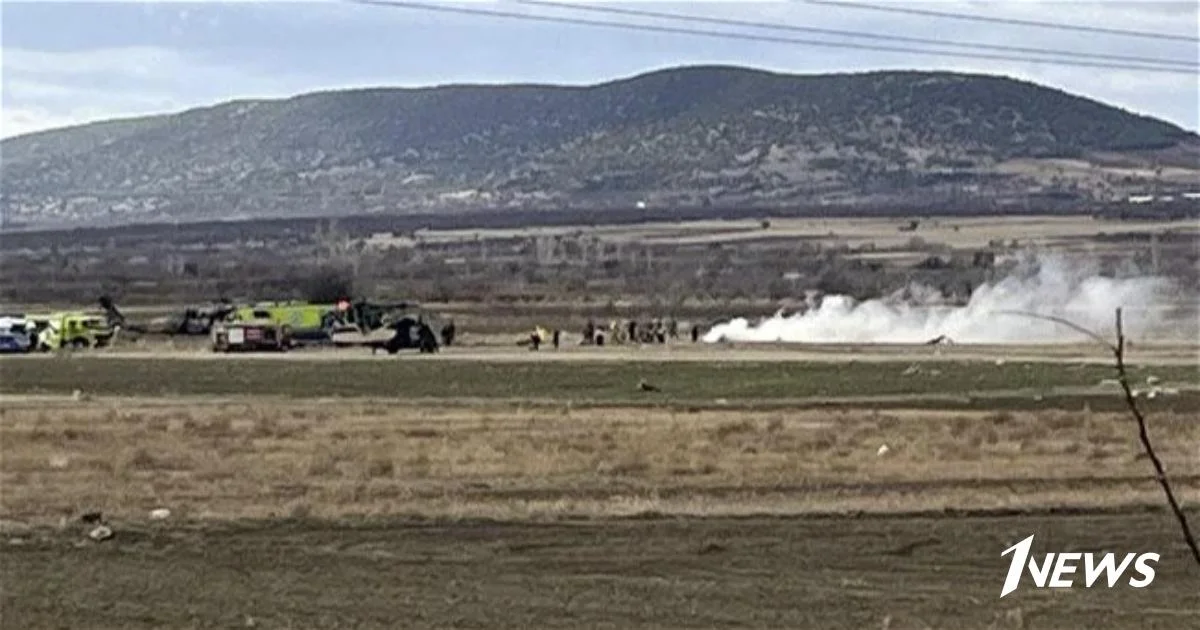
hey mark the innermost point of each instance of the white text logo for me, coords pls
(1058, 570)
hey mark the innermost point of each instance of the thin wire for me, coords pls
(761, 38)
(860, 34)
(1000, 20)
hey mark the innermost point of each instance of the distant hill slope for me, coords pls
(695, 135)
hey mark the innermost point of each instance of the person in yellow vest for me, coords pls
(537, 337)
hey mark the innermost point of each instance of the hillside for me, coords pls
(686, 136)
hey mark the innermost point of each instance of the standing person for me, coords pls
(555, 338)
(589, 333)
(695, 333)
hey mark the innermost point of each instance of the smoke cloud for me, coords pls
(1052, 286)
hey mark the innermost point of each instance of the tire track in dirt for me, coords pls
(836, 572)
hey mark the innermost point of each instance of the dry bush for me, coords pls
(380, 466)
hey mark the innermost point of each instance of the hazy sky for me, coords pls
(71, 62)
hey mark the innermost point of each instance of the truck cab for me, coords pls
(71, 330)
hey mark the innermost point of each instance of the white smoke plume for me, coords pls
(1046, 285)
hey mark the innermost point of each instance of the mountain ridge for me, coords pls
(695, 135)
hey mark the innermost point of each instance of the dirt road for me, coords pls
(1169, 354)
(832, 572)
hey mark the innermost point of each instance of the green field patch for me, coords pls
(598, 382)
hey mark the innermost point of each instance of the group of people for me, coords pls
(656, 330)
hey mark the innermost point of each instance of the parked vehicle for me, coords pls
(15, 335)
(77, 330)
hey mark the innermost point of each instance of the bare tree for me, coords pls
(1160, 474)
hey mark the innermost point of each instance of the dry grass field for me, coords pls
(964, 232)
(242, 459)
(321, 491)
